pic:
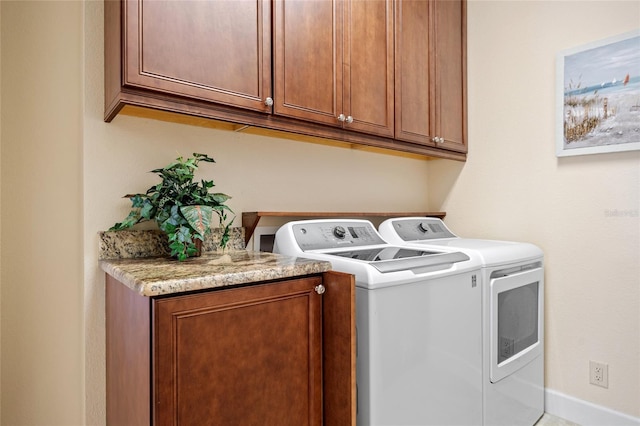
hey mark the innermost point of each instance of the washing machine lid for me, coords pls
(392, 259)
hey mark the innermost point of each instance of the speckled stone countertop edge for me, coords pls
(165, 276)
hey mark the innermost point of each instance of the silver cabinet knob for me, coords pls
(437, 139)
(268, 102)
(341, 117)
(349, 120)
(320, 289)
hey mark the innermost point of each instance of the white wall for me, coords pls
(513, 187)
(64, 171)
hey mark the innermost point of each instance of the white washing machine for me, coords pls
(512, 316)
(419, 341)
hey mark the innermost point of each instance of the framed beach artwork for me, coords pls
(598, 97)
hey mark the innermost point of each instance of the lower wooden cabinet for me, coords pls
(276, 353)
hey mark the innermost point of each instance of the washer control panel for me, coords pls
(335, 234)
(427, 228)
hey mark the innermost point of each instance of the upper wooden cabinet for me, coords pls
(387, 74)
(218, 51)
(430, 64)
(333, 63)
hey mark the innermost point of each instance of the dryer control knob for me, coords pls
(339, 232)
(423, 227)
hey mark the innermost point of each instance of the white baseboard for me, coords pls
(583, 412)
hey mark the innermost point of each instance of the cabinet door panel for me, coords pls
(247, 356)
(368, 71)
(308, 60)
(431, 72)
(450, 75)
(339, 341)
(212, 50)
(413, 71)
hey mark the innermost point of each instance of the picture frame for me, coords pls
(598, 97)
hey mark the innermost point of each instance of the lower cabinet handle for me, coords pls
(320, 289)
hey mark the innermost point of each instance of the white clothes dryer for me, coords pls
(512, 316)
(419, 347)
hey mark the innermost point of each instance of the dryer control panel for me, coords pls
(426, 228)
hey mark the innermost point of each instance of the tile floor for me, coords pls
(549, 420)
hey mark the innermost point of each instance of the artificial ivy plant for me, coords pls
(182, 208)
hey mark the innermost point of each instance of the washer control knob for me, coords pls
(339, 232)
(423, 227)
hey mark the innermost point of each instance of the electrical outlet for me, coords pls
(599, 374)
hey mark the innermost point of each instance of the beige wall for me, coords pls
(64, 171)
(0, 216)
(42, 246)
(514, 187)
(260, 173)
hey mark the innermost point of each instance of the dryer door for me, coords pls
(516, 318)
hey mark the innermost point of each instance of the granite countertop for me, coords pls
(155, 276)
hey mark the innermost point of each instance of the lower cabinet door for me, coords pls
(243, 356)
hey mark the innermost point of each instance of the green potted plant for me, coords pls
(182, 208)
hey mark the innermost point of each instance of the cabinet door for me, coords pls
(449, 87)
(209, 50)
(368, 66)
(249, 356)
(430, 97)
(335, 59)
(339, 348)
(308, 60)
(413, 72)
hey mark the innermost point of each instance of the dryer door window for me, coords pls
(516, 320)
